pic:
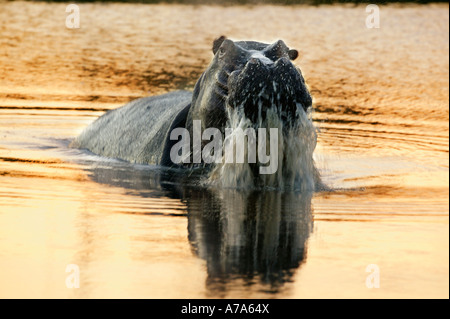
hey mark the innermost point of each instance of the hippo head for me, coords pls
(252, 76)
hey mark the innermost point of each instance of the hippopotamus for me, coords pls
(246, 76)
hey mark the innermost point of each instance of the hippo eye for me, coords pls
(222, 52)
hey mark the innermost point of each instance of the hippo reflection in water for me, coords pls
(251, 236)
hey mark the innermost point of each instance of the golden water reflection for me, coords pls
(137, 233)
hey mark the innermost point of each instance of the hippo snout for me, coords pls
(263, 83)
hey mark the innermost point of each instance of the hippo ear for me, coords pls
(293, 54)
(217, 43)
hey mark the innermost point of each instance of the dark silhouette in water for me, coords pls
(256, 236)
(259, 237)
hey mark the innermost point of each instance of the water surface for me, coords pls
(381, 110)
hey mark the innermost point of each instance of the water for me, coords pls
(381, 110)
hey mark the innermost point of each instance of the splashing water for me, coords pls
(296, 143)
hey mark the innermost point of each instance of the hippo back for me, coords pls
(138, 131)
